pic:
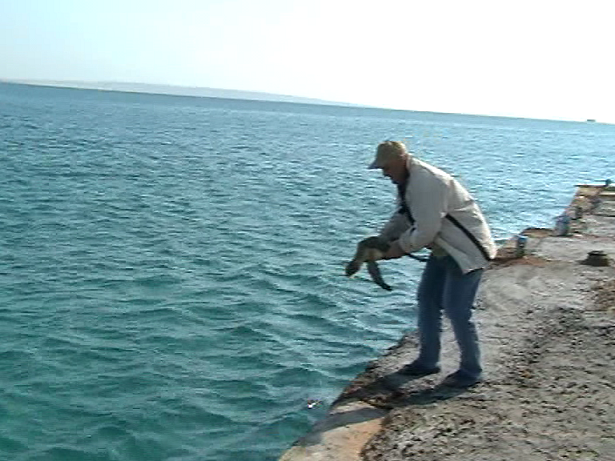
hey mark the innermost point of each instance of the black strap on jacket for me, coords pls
(403, 206)
(470, 235)
(405, 210)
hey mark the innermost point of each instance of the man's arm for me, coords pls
(395, 226)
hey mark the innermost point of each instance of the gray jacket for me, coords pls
(431, 195)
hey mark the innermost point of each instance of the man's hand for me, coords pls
(394, 251)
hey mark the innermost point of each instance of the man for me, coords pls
(437, 212)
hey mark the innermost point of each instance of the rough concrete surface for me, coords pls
(547, 328)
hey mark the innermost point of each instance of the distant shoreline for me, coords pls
(172, 90)
(241, 95)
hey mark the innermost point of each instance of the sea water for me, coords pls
(172, 283)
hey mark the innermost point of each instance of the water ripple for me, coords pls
(173, 286)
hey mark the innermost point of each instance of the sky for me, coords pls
(535, 59)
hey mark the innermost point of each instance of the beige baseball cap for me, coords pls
(387, 151)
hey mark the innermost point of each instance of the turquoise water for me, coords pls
(171, 283)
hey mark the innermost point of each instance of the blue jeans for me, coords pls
(444, 287)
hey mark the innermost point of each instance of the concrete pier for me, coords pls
(547, 326)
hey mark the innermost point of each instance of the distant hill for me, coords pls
(179, 91)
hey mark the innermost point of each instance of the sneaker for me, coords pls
(416, 369)
(459, 379)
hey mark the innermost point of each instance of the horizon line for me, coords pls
(246, 95)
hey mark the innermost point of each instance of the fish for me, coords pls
(369, 251)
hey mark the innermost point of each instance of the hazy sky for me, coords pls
(544, 59)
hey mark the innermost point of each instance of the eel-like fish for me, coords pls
(369, 251)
